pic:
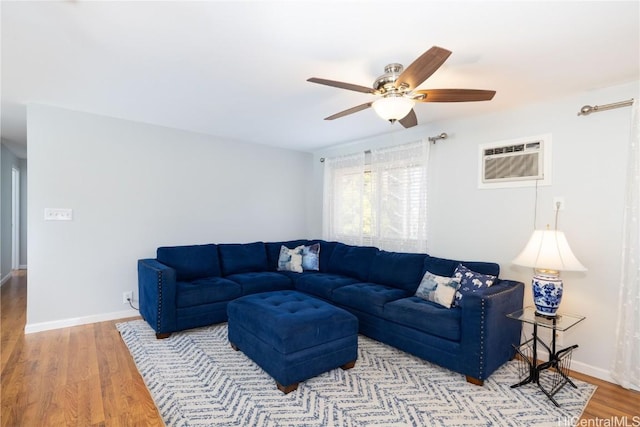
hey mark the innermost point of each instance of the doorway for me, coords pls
(15, 218)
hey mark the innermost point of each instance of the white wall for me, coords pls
(134, 187)
(589, 170)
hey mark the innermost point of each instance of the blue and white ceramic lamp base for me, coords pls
(547, 292)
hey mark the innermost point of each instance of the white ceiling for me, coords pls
(238, 69)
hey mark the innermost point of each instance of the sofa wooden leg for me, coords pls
(286, 389)
(233, 346)
(163, 336)
(348, 365)
(475, 381)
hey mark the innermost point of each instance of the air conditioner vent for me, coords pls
(513, 164)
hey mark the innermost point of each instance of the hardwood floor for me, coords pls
(79, 376)
(84, 376)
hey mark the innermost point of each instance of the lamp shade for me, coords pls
(548, 250)
(393, 108)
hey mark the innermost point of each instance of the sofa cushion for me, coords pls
(399, 270)
(446, 267)
(293, 276)
(425, 316)
(367, 297)
(322, 284)
(206, 291)
(265, 281)
(352, 261)
(190, 262)
(242, 257)
(326, 251)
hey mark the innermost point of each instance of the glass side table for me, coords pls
(559, 360)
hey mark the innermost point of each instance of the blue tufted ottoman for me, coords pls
(292, 336)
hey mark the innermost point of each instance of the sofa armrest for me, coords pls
(487, 335)
(157, 295)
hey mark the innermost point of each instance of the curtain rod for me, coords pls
(322, 159)
(588, 109)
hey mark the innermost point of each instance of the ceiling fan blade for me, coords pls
(342, 85)
(410, 120)
(350, 111)
(455, 95)
(423, 67)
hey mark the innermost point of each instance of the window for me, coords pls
(343, 198)
(378, 199)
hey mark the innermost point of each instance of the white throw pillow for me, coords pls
(438, 289)
(290, 259)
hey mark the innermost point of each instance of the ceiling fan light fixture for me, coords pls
(392, 108)
(396, 89)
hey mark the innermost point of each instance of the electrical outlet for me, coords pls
(127, 296)
(558, 203)
(559, 338)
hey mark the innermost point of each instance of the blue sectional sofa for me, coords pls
(190, 286)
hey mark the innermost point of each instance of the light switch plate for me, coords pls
(57, 214)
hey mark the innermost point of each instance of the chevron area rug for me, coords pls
(197, 379)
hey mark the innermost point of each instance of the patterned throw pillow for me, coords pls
(470, 282)
(311, 257)
(438, 289)
(290, 259)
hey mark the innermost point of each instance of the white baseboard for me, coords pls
(22, 267)
(599, 373)
(592, 371)
(77, 321)
(584, 368)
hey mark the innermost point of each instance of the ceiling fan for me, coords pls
(396, 89)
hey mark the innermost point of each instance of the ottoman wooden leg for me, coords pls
(348, 365)
(286, 389)
(233, 346)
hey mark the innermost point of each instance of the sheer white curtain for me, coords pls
(344, 188)
(626, 369)
(378, 199)
(399, 197)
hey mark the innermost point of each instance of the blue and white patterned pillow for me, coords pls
(290, 259)
(438, 289)
(470, 282)
(311, 257)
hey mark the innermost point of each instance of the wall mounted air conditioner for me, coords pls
(515, 163)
